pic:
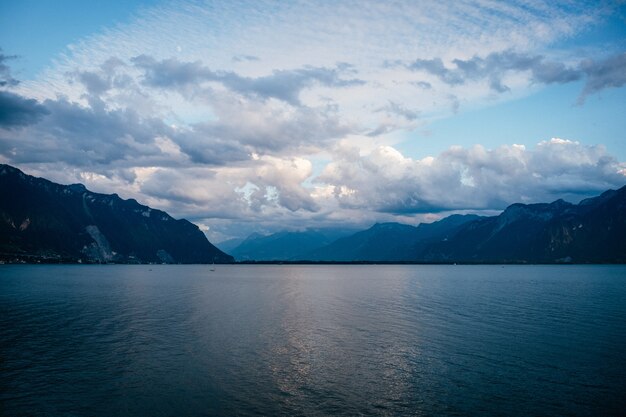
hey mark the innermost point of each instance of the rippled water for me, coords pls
(312, 340)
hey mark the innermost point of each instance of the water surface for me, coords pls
(312, 340)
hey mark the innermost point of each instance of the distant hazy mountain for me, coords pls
(285, 245)
(388, 242)
(592, 231)
(229, 245)
(41, 220)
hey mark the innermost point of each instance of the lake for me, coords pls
(172, 340)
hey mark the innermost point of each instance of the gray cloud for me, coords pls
(422, 84)
(494, 66)
(107, 76)
(16, 111)
(171, 72)
(97, 136)
(607, 73)
(204, 147)
(243, 58)
(6, 80)
(81, 136)
(104, 134)
(93, 82)
(267, 129)
(400, 110)
(435, 66)
(610, 72)
(284, 85)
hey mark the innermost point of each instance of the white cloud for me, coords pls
(470, 178)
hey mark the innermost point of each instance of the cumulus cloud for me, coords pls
(266, 187)
(470, 178)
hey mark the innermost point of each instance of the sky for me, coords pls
(260, 116)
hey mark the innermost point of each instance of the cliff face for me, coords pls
(41, 220)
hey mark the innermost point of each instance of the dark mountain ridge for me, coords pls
(44, 221)
(592, 231)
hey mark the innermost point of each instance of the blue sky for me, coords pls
(260, 116)
(39, 30)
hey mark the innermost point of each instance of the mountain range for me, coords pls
(593, 231)
(41, 221)
(284, 245)
(44, 221)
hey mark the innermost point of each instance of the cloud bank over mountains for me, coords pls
(269, 115)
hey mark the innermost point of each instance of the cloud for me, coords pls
(470, 178)
(83, 136)
(284, 85)
(207, 111)
(229, 52)
(16, 111)
(109, 75)
(400, 110)
(244, 58)
(494, 67)
(270, 127)
(95, 135)
(607, 73)
(266, 187)
(6, 80)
